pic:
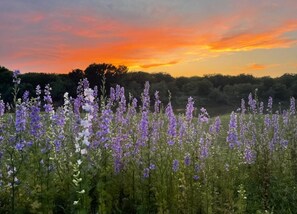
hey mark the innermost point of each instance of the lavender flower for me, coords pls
(269, 105)
(252, 103)
(146, 97)
(2, 107)
(20, 117)
(157, 102)
(261, 108)
(203, 116)
(48, 106)
(187, 159)
(104, 126)
(175, 165)
(248, 155)
(232, 137)
(146, 173)
(171, 124)
(35, 121)
(190, 109)
(292, 106)
(216, 126)
(143, 128)
(15, 75)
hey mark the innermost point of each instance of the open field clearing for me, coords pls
(117, 154)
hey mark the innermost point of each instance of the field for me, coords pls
(116, 154)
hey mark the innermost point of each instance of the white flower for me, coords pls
(79, 162)
(81, 192)
(87, 107)
(75, 202)
(83, 151)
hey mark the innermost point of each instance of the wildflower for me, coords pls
(187, 159)
(2, 107)
(20, 117)
(16, 78)
(232, 137)
(81, 192)
(157, 102)
(216, 126)
(19, 146)
(143, 128)
(175, 165)
(269, 105)
(26, 96)
(35, 120)
(196, 177)
(171, 131)
(146, 172)
(248, 155)
(146, 97)
(292, 106)
(261, 107)
(48, 106)
(252, 103)
(190, 109)
(203, 116)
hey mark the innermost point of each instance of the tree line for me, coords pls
(218, 93)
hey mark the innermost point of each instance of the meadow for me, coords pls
(117, 154)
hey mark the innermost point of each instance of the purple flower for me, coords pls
(203, 116)
(190, 109)
(104, 125)
(175, 165)
(261, 108)
(143, 128)
(196, 177)
(216, 126)
(292, 106)
(171, 131)
(232, 137)
(252, 103)
(269, 105)
(152, 166)
(48, 106)
(26, 96)
(248, 155)
(112, 95)
(157, 102)
(2, 108)
(20, 117)
(19, 146)
(35, 121)
(181, 131)
(146, 173)
(146, 97)
(204, 144)
(187, 159)
(15, 76)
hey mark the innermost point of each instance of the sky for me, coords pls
(179, 37)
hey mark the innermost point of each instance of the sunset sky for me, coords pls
(180, 37)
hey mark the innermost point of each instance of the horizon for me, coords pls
(193, 38)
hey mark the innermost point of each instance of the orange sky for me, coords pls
(183, 38)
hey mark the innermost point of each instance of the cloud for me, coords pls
(273, 38)
(258, 67)
(159, 64)
(144, 34)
